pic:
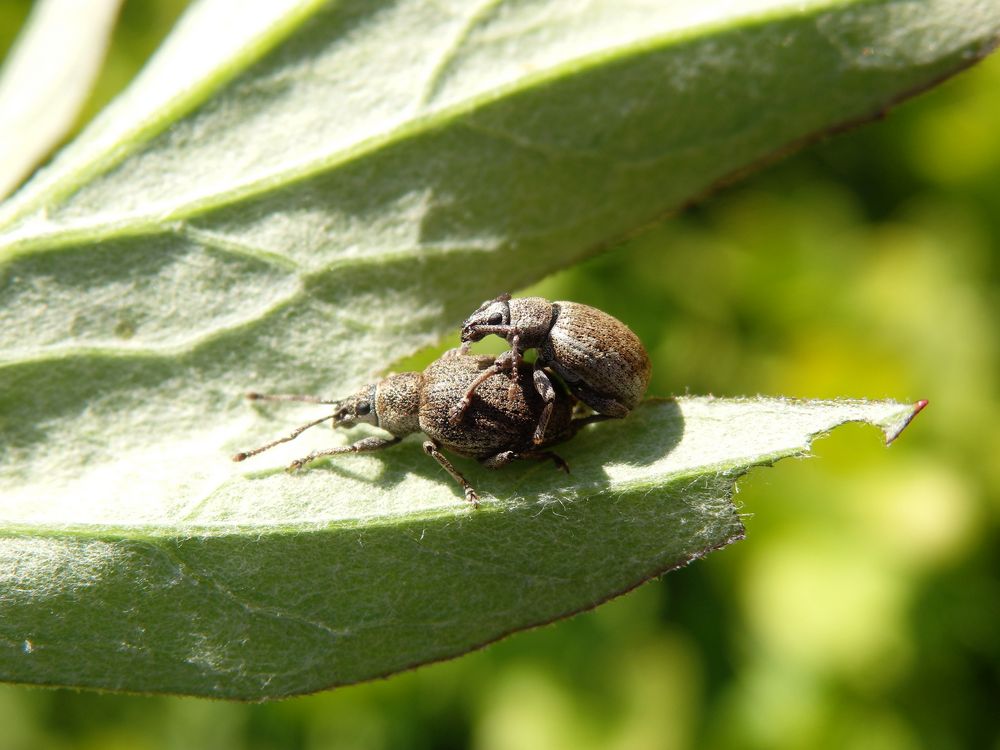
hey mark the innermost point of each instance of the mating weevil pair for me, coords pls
(485, 407)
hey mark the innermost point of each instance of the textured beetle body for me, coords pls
(497, 421)
(499, 428)
(600, 359)
(397, 403)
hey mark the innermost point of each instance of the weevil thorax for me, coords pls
(530, 318)
(397, 403)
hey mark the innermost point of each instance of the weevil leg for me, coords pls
(502, 459)
(548, 393)
(458, 411)
(458, 351)
(290, 436)
(433, 450)
(512, 360)
(362, 446)
(580, 422)
(600, 403)
(555, 458)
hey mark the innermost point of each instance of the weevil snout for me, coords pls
(358, 408)
(471, 333)
(492, 317)
(344, 416)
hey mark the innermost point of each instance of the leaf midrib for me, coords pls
(146, 129)
(74, 232)
(192, 345)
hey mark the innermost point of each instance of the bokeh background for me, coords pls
(862, 611)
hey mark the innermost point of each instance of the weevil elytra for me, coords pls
(499, 425)
(599, 358)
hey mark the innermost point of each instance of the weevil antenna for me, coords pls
(290, 436)
(254, 396)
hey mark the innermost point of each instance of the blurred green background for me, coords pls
(863, 610)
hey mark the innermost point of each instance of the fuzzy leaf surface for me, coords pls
(289, 198)
(364, 566)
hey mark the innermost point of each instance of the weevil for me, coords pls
(599, 358)
(498, 428)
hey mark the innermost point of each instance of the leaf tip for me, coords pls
(893, 430)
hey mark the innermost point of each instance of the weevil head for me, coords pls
(493, 316)
(529, 318)
(393, 404)
(397, 403)
(357, 408)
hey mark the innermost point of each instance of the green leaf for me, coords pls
(46, 79)
(290, 198)
(364, 566)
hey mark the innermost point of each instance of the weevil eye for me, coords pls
(495, 319)
(362, 408)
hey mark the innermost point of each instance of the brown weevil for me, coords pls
(499, 426)
(599, 358)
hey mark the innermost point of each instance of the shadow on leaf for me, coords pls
(646, 435)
